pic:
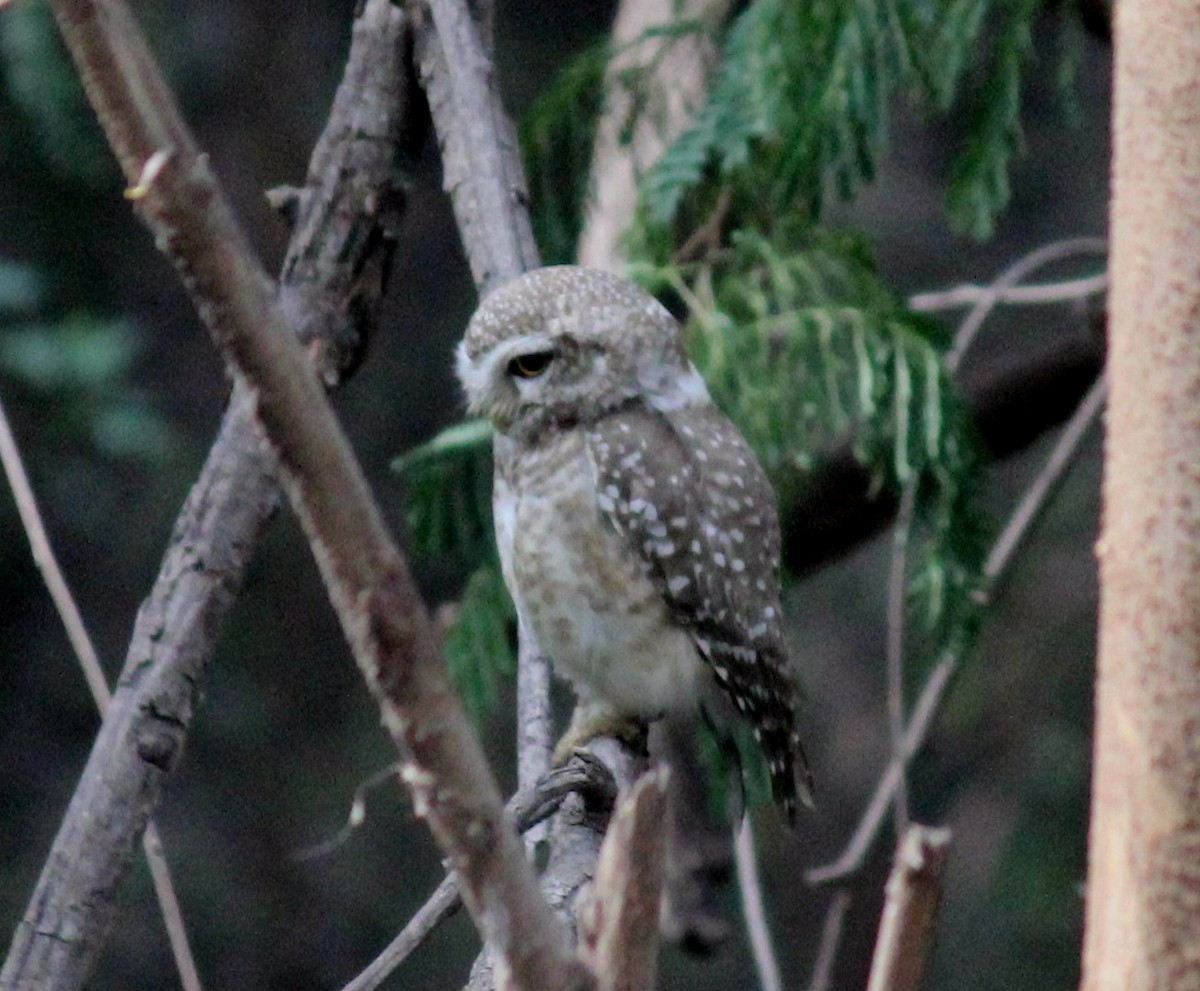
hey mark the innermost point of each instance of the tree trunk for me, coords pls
(1143, 904)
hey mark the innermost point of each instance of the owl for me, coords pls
(637, 532)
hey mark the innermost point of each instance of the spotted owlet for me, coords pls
(637, 531)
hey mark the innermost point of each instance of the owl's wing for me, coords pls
(689, 495)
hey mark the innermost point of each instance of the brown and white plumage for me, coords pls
(637, 531)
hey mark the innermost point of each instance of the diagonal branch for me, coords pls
(219, 526)
(89, 661)
(381, 613)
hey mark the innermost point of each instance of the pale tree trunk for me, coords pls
(1143, 901)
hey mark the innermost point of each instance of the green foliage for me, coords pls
(800, 105)
(481, 642)
(77, 371)
(449, 483)
(805, 348)
(556, 141)
(979, 178)
(40, 77)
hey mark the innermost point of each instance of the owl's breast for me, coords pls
(580, 590)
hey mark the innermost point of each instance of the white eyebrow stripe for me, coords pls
(477, 375)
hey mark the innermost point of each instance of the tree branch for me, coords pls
(831, 938)
(913, 897)
(218, 528)
(750, 890)
(367, 577)
(481, 165)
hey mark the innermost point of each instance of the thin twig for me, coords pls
(957, 297)
(89, 661)
(1034, 500)
(1040, 489)
(529, 809)
(1019, 270)
(750, 891)
(910, 910)
(852, 857)
(897, 599)
(440, 906)
(831, 939)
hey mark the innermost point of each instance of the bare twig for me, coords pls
(1067, 291)
(529, 808)
(831, 939)
(750, 890)
(913, 898)
(897, 599)
(618, 926)
(1019, 270)
(85, 652)
(1041, 488)
(1032, 503)
(851, 858)
(442, 904)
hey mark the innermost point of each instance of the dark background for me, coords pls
(287, 730)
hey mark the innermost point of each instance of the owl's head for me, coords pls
(565, 345)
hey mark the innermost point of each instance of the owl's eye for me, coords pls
(530, 366)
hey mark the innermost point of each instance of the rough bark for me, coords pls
(342, 236)
(1143, 892)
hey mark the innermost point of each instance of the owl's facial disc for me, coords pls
(514, 374)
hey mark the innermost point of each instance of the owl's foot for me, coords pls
(590, 722)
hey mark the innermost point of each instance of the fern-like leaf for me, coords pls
(979, 186)
(480, 644)
(450, 492)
